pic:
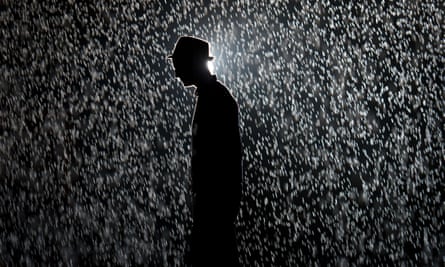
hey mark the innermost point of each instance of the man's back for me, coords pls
(216, 170)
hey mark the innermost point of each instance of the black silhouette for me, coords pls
(216, 158)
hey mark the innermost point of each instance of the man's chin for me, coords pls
(186, 83)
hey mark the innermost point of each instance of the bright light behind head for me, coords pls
(210, 66)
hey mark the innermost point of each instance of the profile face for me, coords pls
(190, 57)
(184, 71)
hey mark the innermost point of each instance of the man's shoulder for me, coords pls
(223, 91)
(217, 95)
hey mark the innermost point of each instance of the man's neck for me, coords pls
(206, 78)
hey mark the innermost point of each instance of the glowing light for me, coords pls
(210, 66)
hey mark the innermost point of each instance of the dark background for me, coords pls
(342, 109)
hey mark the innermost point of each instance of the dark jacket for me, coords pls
(216, 169)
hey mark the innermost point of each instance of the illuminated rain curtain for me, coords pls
(342, 121)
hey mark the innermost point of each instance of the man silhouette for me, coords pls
(216, 158)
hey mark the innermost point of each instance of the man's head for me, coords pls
(190, 57)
